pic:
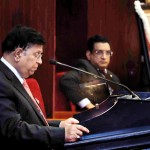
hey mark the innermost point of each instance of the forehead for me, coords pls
(101, 46)
(35, 48)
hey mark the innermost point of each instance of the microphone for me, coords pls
(133, 95)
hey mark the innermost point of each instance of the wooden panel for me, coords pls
(116, 20)
(63, 114)
(71, 30)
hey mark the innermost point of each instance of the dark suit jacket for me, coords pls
(75, 84)
(21, 124)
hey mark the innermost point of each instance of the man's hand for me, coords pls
(68, 121)
(74, 132)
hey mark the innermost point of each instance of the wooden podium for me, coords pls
(116, 123)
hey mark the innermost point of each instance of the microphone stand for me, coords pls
(134, 96)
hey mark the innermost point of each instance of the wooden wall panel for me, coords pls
(71, 30)
(40, 15)
(116, 20)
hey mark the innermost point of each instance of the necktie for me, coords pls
(25, 85)
(105, 75)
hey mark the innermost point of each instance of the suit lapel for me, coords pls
(16, 83)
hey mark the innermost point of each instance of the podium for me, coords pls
(116, 123)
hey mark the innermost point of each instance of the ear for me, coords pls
(88, 54)
(17, 54)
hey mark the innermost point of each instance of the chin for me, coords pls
(30, 74)
(103, 67)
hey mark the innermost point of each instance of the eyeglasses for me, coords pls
(38, 55)
(102, 52)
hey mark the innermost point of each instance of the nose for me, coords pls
(104, 55)
(39, 60)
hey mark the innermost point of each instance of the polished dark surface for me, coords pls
(116, 123)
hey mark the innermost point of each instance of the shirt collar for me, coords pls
(104, 71)
(12, 69)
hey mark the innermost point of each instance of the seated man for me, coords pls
(85, 90)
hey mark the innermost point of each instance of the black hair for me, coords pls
(94, 39)
(21, 36)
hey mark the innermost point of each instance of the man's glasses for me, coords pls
(102, 52)
(38, 55)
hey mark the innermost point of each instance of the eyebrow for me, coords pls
(101, 50)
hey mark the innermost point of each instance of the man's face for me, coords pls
(100, 57)
(29, 60)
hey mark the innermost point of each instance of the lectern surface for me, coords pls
(114, 124)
